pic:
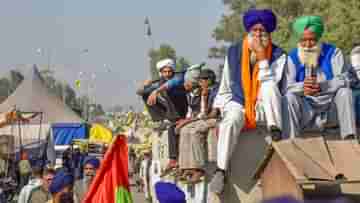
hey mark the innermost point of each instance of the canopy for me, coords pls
(64, 133)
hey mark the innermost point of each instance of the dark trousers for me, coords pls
(171, 107)
(173, 142)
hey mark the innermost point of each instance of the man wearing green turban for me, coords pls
(317, 83)
(312, 23)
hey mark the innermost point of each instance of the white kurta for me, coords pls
(27, 189)
(268, 108)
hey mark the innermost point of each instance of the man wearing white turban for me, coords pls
(165, 99)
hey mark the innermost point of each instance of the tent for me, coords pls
(32, 95)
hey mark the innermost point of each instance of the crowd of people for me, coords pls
(44, 184)
(309, 87)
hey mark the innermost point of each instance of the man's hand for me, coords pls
(147, 82)
(182, 121)
(311, 87)
(188, 86)
(214, 113)
(152, 98)
(258, 48)
(204, 91)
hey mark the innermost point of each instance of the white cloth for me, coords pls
(268, 107)
(165, 62)
(27, 189)
(266, 74)
(144, 175)
(229, 130)
(268, 110)
(355, 60)
(192, 73)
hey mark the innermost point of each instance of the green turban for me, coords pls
(313, 23)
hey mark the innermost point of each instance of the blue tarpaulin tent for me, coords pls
(64, 133)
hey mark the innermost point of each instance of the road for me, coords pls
(137, 197)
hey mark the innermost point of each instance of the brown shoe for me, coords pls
(196, 176)
(170, 167)
(184, 175)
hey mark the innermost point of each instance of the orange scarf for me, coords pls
(250, 83)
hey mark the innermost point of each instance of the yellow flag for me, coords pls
(99, 133)
(77, 83)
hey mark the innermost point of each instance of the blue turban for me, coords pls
(93, 161)
(265, 17)
(60, 181)
(284, 199)
(169, 193)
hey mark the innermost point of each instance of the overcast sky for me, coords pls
(113, 33)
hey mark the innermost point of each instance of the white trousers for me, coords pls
(268, 109)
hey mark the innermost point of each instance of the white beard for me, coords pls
(253, 58)
(309, 56)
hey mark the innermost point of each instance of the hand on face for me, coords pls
(258, 47)
(311, 87)
(204, 84)
(188, 86)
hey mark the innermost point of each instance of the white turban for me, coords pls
(165, 62)
(192, 73)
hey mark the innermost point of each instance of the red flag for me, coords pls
(111, 183)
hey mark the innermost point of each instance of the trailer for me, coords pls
(257, 165)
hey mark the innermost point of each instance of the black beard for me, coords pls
(67, 198)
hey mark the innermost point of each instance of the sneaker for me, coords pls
(217, 183)
(275, 133)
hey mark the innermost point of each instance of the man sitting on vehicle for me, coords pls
(166, 101)
(165, 98)
(318, 82)
(250, 88)
(194, 129)
(355, 63)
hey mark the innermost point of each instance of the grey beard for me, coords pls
(88, 178)
(309, 56)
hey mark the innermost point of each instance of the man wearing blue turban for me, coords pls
(249, 91)
(169, 193)
(81, 186)
(61, 188)
(318, 83)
